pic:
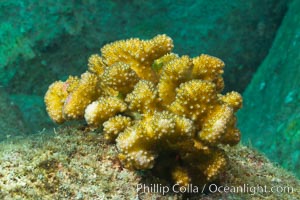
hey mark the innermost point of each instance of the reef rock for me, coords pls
(270, 118)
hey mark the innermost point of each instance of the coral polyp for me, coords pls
(164, 111)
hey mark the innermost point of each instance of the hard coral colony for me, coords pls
(163, 111)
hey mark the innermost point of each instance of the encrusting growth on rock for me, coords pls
(165, 112)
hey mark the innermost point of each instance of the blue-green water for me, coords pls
(259, 41)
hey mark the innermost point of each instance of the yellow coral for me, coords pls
(215, 124)
(216, 164)
(173, 74)
(233, 99)
(115, 125)
(164, 128)
(159, 63)
(143, 98)
(138, 54)
(180, 176)
(194, 98)
(119, 77)
(101, 110)
(54, 100)
(209, 68)
(164, 112)
(96, 65)
(56, 96)
(85, 93)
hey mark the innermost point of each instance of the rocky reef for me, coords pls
(158, 107)
(270, 118)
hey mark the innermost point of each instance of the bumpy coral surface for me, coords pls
(164, 111)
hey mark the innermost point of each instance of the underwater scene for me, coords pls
(148, 100)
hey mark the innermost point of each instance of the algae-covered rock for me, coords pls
(75, 164)
(270, 118)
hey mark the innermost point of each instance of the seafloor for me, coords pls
(69, 163)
